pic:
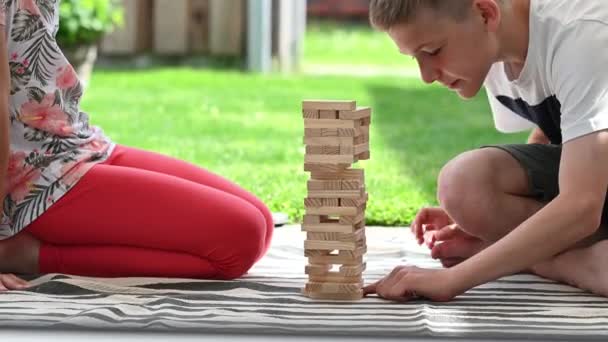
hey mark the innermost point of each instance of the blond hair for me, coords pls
(384, 14)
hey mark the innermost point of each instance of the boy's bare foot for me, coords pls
(583, 268)
(451, 245)
(19, 254)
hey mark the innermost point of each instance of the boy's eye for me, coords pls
(434, 52)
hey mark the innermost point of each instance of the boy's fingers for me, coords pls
(369, 289)
(429, 238)
(446, 232)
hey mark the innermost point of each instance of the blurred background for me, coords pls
(220, 83)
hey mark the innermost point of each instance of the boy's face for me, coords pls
(458, 54)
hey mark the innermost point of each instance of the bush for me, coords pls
(83, 22)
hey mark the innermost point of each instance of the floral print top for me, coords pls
(51, 143)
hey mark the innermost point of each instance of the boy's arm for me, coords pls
(573, 215)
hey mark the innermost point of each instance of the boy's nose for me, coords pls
(429, 74)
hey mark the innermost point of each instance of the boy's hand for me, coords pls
(427, 220)
(12, 282)
(405, 283)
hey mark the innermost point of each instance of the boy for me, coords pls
(506, 209)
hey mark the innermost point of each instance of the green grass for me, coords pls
(332, 43)
(249, 129)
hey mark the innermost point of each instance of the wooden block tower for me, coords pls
(336, 136)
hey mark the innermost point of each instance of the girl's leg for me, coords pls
(123, 221)
(152, 161)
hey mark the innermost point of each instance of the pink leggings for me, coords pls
(145, 214)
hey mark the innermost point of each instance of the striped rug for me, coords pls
(267, 301)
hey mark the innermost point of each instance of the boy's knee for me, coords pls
(461, 177)
(463, 184)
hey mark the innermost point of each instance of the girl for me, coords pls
(77, 203)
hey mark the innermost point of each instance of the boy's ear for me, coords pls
(489, 12)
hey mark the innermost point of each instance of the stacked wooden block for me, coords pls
(336, 136)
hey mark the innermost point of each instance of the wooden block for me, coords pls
(330, 159)
(359, 113)
(328, 141)
(336, 168)
(343, 237)
(329, 228)
(328, 114)
(330, 245)
(333, 211)
(366, 121)
(347, 149)
(352, 219)
(353, 202)
(314, 184)
(315, 253)
(310, 114)
(330, 150)
(317, 269)
(331, 202)
(329, 105)
(334, 279)
(311, 219)
(334, 296)
(351, 271)
(363, 156)
(361, 148)
(353, 184)
(326, 132)
(314, 149)
(312, 133)
(323, 257)
(363, 138)
(349, 132)
(359, 251)
(329, 123)
(346, 174)
(337, 193)
(312, 287)
(345, 271)
(313, 202)
(325, 270)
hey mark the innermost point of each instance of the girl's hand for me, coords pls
(11, 282)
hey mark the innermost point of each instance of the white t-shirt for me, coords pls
(563, 86)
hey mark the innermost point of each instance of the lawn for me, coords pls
(249, 127)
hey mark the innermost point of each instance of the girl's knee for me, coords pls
(247, 245)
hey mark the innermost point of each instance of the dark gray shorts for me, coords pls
(541, 163)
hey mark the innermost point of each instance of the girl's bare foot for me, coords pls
(584, 268)
(12, 282)
(19, 254)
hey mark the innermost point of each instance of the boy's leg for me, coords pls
(146, 160)
(582, 267)
(490, 191)
(132, 222)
